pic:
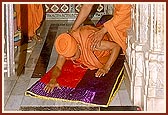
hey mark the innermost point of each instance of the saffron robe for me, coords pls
(91, 59)
(118, 25)
(31, 14)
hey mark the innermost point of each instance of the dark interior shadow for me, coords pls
(24, 39)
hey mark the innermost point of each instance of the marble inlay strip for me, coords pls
(61, 108)
(43, 60)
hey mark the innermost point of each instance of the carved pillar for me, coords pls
(8, 43)
(145, 56)
(156, 57)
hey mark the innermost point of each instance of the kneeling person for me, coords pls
(76, 46)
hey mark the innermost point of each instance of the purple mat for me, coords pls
(90, 90)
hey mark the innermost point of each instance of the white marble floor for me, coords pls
(15, 86)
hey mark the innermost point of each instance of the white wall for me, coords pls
(145, 57)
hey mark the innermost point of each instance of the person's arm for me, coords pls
(115, 49)
(120, 22)
(97, 37)
(55, 74)
(83, 14)
(120, 17)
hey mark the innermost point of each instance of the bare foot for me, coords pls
(37, 37)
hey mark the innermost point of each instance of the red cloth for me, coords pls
(70, 76)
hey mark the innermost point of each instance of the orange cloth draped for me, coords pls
(118, 25)
(93, 60)
(35, 16)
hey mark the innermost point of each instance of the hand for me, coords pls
(101, 72)
(97, 37)
(51, 85)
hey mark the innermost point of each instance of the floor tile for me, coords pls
(26, 76)
(124, 98)
(20, 87)
(30, 101)
(32, 81)
(115, 101)
(8, 87)
(122, 86)
(53, 59)
(14, 102)
(9, 84)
